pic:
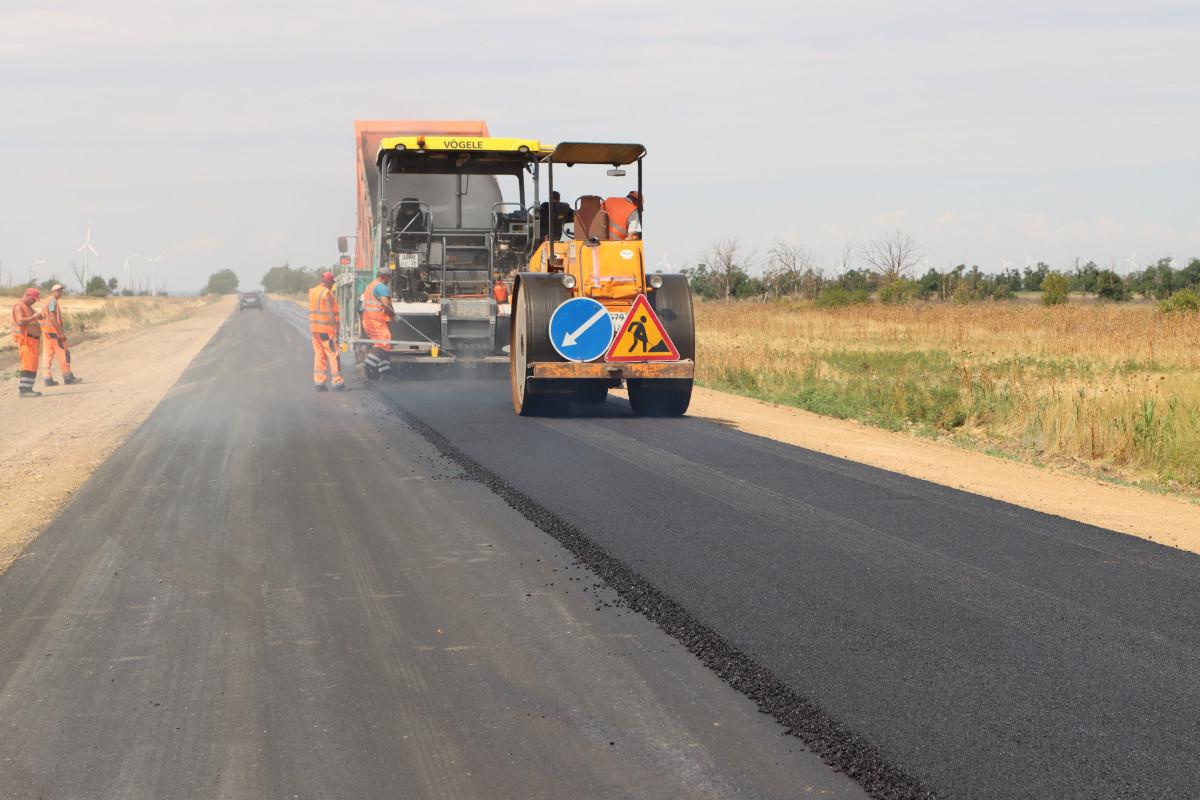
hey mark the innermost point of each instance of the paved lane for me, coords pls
(990, 651)
(272, 593)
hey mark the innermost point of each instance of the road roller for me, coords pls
(587, 316)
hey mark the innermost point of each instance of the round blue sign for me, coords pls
(580, 329)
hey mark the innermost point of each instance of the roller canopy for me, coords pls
(596, 153)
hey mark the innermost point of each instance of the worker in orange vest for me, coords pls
(499, 289)
(324, 320)
(376, 314)
(27, 333)
(624, 216)
(56, 340)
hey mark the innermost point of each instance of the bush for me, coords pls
(1183, 300)
(1055, 288)
(837, 297)
(97, 287)
(290, 280)
(1111, 286)
(898, 292)
(223, 282)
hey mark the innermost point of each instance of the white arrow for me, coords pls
(569, 339)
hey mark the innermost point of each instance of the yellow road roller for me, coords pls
(586, 315)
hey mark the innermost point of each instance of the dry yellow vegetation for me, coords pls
(91, 317)
(1110, 389)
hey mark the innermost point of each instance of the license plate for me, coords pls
(618, 318)
(406, 261)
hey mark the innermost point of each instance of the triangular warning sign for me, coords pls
(642, 337)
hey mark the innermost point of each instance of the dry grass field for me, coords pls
(1109, 390)
(89, 318)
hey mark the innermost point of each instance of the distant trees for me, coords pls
(222, 282)
(285, 279)
(98, 287)
(884, 272)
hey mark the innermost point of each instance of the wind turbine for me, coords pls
(128, 284)
(37, 262)
(86, 248)
(1132, 261)
(153, 274)
(1004, 265)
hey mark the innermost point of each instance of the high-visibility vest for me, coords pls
(30, 328)
(618, 210)
(54, 323)
(500, 292)
(323, 310)
(372, 308)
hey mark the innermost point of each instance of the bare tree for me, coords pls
(791, 269)
(892, 256)
(729, 266)
(78, 272)
(846, 262)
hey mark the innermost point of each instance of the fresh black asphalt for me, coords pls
(273, 593)
(985, 650)
(270, 592)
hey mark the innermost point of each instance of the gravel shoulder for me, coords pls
(51, 445)
(1157, 518)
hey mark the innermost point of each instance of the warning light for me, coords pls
(344, 261)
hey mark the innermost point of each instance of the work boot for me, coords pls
(339, 387)
(320, 387)
(52, 382)
(70, 379)
(28, 393)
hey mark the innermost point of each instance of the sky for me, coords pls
(220, 134)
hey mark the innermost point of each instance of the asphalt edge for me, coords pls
(834, 743)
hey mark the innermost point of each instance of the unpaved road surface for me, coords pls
(268, 592)
(51, 444)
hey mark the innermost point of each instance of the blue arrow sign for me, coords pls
(580, 329)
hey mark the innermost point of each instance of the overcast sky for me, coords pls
(220, 133)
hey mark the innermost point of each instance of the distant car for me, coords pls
(251, 300)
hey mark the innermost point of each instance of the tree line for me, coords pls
(890, 269)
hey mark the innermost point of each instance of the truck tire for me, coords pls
(668, 397)
(534, 300)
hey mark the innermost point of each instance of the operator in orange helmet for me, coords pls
(324, 319)
(27, 333)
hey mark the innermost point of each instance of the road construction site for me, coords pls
(406, 589)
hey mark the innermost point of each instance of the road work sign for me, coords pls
(580, 329)
(642, 337)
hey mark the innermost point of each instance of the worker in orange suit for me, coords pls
(624, 216)
(54, 336)
(499, 289)
(324, 320)
(27, 333)
(376, 314)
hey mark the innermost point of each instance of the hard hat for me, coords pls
(32, 294)
(56, 287)
(634, 195)
(326, 276)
